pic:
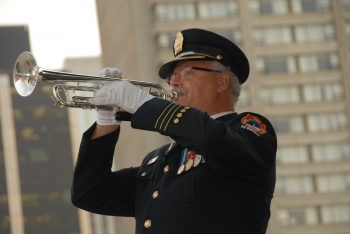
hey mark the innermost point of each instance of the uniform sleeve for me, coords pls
(237, 144)
(95, 187)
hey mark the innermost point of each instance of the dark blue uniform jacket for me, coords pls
(228, 191)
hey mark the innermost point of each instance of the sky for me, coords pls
(57, 28)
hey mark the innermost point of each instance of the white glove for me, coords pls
(110, 72)
(122, 94)
(107, 117)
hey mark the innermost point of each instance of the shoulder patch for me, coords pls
(253, 124)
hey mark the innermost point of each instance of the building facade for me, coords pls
(299, 51)
(35, 152)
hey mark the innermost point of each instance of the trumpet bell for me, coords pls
(25, 74)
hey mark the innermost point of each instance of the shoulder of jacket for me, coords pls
(255, 122)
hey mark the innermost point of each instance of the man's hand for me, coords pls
(122, 94)
(107, 117)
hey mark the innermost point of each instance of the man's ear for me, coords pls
(223, 82)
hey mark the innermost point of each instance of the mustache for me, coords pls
(178, 90)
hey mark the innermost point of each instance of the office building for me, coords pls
(35, 152)
(299, 56)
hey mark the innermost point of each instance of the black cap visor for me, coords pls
(166, 69)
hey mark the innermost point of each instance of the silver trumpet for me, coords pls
(72, 90)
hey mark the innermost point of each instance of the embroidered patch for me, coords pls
(254, 124)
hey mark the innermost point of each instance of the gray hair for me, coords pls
(234, 85)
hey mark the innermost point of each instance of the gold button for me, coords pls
(176, 120)
(147, 223)
(183, 110)
(166, 169)
(155, 194)
(143, 173)
(179, 115)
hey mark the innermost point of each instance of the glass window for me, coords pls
(323, 92)
(330, 152)
(346, 4)
(288, 124)
(292, 155)
(210, 10)
(233, 35)
(321, 62)
(273, 36)
(244, 98)
(347, 28)
(297, 216)
(310, 5)
(267, 7)
(314, 33)
(336, 213)
(333, 183)
(280, 95)
(326, 122)
(273, 65)
(174, 11)
(294, 185)
(165, 40)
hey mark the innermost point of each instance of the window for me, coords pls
(267, 7)
(314, 33)
(298, 216)
(326, 122)
(323, 92)
(273, 36)
(310, 5)
(244, 98)
(292, 155)
(273, 65)
(165, 40)
(294, 185)
(174, 11)
(346, 4)
(336, 213)
(347, 28)
(320, 62)
(330, 152)
(288, 124)
(211, 10)
(333, 183)
(233, 35)
(280, 95)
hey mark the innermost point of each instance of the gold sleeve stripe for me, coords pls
(166, 116)
(161, 114)
(166, 126)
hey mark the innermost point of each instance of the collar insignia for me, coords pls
(152, 160)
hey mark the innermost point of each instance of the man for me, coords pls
(219, 174)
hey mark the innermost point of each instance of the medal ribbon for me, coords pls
(183, 156)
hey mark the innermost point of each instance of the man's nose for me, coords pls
(175, 80)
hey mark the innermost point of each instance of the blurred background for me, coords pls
(299, 52)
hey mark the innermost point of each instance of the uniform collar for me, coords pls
(218, 115)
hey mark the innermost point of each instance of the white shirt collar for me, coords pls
(221, 114)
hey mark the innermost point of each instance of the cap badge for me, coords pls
(178, 43)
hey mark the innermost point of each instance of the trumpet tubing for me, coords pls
(72, 90)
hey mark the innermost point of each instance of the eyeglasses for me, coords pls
(186, 72)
